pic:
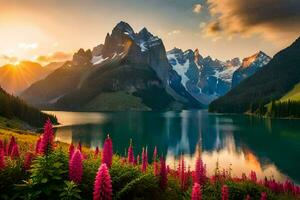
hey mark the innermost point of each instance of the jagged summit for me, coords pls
(259, 56)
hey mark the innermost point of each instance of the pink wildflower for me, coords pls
(200, 172)
(75, 167)
(248, 197)
(102, 186)
(155, 168)
(71, 150)
(181, 173)
(11, 145)
(107, 153)
(46, 144)
(2, 160)
(155, 154)
(144, 161)
(15, 152)
(37, 145)
(253, 176)
(1, 145)
(130, 155)
(27, 160)
(263, 196)
(163, 174)
(196, 193)
(225, 192)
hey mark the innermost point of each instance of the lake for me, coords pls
(236, 142)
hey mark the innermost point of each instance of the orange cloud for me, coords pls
(272, 19)
(54, 57)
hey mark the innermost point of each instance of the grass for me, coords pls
(115, 101)
(293, 95)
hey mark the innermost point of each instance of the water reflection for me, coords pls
(270, 147)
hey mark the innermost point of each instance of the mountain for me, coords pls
(203, 78)
(269, 83)
(249, 66)
(126, 72)
(15, 78)
(13, 107)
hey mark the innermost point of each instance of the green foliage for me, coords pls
(70, 191)
(48, 174)
(143, 187)
(11, 175)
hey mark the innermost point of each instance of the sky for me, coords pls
(51, 30)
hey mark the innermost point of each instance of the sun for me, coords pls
(16, 64)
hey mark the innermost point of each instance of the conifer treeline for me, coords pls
(284, 109)
(14, 107)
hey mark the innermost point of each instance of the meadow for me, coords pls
(34, 166)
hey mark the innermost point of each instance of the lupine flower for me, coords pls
(1, 145)
(11, 145)
(71, 150)
(79, 147)
(181, 173)
(96, 152)
(263, 196)
(15, 152)
(248, 197)
(196, 193)
(200, 172)
(107, 153)
(155, 154)
(102, 186)
(288, 186)
(27, 160)
(146, 156)
(75, 167)
(130, 155)
(155, 168)
(225, 192)
(2, 160)
(163, 181)
(253, 176)
(37, 145)
(144, 161)
(46, 144)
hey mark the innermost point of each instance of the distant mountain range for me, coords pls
(132, 71)
(278, 79)
(16, 78)
(207, 79)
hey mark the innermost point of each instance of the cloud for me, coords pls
(197, 8)
(174, 32)
(54, 57)
(7, 59)
(27, 46)
(273, 19)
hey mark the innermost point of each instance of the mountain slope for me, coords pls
(203, 78)
(249, 66)
(293, 95)
(15, 78)
(13, 107)
(128, 63)
(271, 82)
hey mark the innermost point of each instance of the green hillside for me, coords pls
(12, 107)
(293, 95)
(115, 101)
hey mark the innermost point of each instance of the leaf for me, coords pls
(44, 180)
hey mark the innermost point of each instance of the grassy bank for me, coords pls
(48, 175)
